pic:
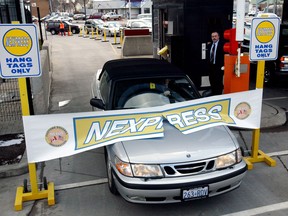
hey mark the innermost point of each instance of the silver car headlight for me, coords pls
(138, 170)
(228, 159)
(123, 167)
(146, 171)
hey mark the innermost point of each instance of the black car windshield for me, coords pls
(150, 92)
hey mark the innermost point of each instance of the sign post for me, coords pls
(263, 46)
(20, 59)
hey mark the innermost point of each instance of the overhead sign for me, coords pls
(264, 39)
(19, 56)
(59, 135)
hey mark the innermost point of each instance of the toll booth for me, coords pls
(185, 27)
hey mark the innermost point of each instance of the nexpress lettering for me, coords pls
(193, 117)
(118, 127)
(18, 41)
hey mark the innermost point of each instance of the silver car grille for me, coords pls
(192, 168)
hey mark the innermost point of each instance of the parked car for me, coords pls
(52, 17)
(79, 17)
(54, 27)
(145, 15)
(95, 16)
(63, 18)
(173, 168)
(93, 24)
(138, 24)
(111, 16)
(110, 28)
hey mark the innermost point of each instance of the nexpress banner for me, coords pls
(59, 135)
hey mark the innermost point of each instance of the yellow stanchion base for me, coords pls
(22, 197)
(262, 157)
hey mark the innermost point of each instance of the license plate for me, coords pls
(195, 193)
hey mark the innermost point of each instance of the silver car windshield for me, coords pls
(142, 93)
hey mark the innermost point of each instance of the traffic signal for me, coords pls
(231, 46)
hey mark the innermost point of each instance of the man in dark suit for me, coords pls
(216, 64)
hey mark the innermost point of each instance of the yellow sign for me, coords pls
(265, 32)
(19, 56)
(17, 42)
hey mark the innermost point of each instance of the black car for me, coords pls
(54, 27)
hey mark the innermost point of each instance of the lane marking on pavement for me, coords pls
(276, 98)
(279, 153)
(260, 210)
(81, 184)
(114, 50)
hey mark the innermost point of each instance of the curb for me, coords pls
(15, 169)
(272, 116)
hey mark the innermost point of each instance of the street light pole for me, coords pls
(129, 10)
(85, 8)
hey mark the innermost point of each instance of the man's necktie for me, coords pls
(212, 54)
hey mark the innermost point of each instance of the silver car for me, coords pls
(173, 168)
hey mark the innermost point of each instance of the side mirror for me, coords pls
(207, 93)
(98, 103)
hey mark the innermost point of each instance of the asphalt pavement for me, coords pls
(13, 175)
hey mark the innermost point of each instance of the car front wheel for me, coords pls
(111, 183)
(53, 32)
(73, 31)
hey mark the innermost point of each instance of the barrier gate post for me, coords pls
(258, 155)
(21, 194)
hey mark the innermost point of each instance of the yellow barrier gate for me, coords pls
(258, 155)
(22, 193)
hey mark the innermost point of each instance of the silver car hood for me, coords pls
(176, 147)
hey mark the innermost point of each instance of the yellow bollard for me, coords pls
(92, 34)
(121, 39)
(80, 33)
(104, 37)
(86, 34)
(115, 42)
(97, 34)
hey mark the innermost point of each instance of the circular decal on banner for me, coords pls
(265, 32)
(56, 136)
(242, 110)
(17, 42)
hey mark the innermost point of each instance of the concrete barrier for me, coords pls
(41, 85)
(139, 45)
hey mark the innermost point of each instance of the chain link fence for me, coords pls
(10, 105)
